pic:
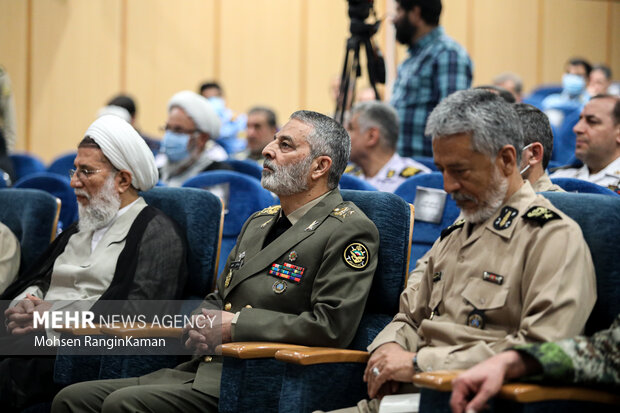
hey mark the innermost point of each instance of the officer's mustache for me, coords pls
(457, 197)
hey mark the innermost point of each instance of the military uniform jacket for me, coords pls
(393, 173)
(544, 184)
(609, 177)
(334, 243)
(523, 275)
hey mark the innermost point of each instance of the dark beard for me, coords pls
(405, 31)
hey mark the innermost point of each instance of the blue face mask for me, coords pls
(174, 145)
(572, 84)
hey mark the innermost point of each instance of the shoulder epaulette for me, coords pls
(409, 171)
(447, 231)
(541, 215)
(272, 210)
(342, 211)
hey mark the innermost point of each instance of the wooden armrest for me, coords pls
(528, 393)
(319, 355)
(145, 332)
(76, 331)
(440, 380)
(255, 349)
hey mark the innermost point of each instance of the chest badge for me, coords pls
(476, 319)
(292, 256)
(279, 286)
(312, 226)
(493, 278)
(228, 279)
(288, 271)
(505, 218)
(356, 256)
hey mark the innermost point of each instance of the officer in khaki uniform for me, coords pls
(300, 273)
(514, 270)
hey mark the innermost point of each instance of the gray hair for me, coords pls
(509, 76)
(378, 115)
(491, 122)
(536, 128)
(327, 138)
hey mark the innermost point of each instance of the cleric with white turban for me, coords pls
(199, 109)
(125, 149)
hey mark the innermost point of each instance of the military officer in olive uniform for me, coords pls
(300, 273)
(514, 270)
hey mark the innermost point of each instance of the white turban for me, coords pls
(115, 110)
(125, 149)
(199, 109)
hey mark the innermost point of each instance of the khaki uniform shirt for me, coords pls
(544, 184)
(506, 281)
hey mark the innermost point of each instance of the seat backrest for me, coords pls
(62, 164)
(245, 196)
(351, 182)
(25, 164)
(247, 167)
(579, 185)
(599, 219)
(32, 215)
(564, 140)
(198, 214)
(540, 93)
(425, 232)
(60, 187)
(427, 161)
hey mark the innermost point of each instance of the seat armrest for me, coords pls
(321, 355)
(145, 332)
(255, 349)
(440, 380)
(528, 393)
(77, 331)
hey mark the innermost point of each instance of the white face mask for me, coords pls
(528, 165)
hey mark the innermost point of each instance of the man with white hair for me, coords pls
(188, 146)
(514, 270)
(120, 249)
(300, 273)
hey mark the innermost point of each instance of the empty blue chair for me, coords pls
(579, 185)
(426, 233)
(427, 161)
(32, 215)
(348, 181)
(247, 167)
(25, 164)
(245, 195)
(62, 164)
(59, 187)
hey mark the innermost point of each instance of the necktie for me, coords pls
(278, 229)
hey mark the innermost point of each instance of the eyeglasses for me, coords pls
(83, 173)
(178, 130)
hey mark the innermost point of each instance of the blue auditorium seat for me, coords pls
(565, 139)
(579, 185)
(25, 164)
(427, 161)
(62, 164)
(426, 233)
(540, 93)
(245, 196)
(267, 385)
(58, 186)
(348, 181)
(248, 167)
(32, 215)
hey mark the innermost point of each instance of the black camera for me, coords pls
(359, 10)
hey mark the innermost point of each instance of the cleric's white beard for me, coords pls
(101, 209)
(493, 200)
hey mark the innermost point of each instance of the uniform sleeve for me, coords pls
(9, 257)
(338, 297)
(584, 360)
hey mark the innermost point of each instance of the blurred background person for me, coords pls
(512, 83)
(262, 126)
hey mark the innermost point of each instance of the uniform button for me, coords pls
(482, 301)
(228, 306)
(248, 306)
(208, 359)
(461, 258)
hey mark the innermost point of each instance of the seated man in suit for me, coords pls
(514, 270)
(188, 146)
(300, 273)
(120, 249)
(9, 257)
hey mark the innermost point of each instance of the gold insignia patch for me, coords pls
(409, 171)
(458, 224)
(349, 169)
(541, 215)
(356, 256)
(272, 210)
(391, 173)
(343, 212)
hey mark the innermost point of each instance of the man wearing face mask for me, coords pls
(574, 83)
(188, 146)
(538, 141)
(436, 67)
(503, 275)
